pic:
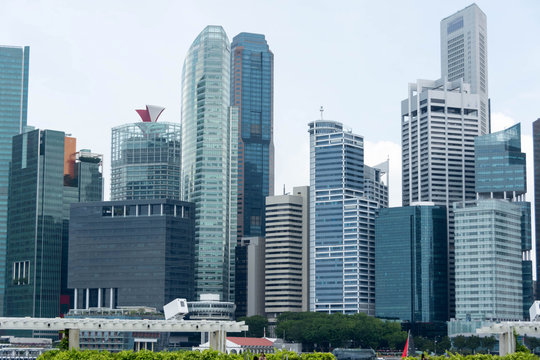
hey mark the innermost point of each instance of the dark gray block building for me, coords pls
(131, 253)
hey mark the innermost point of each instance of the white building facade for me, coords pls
(464, 54)
(286, 252)
(439, 121)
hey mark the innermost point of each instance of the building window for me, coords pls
(107, 211)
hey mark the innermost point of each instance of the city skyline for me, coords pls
(359, 72)
(61, 89)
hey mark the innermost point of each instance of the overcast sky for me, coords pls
(92, 63)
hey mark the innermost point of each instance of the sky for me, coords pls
(92, 63)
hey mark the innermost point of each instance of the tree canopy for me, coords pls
(323, 332)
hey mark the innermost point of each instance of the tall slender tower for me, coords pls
(210, 159)
(14, 95)
(439, 121)
(345, 196)
(536, 144)
(252, 73)
(464, 54)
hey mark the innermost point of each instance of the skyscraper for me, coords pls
(536, 145)
(131, 253)
(13, 107)
(46, 177)
(493, 240)
(252, 91)
(464, 55)
(439, 121)
(145, 158)
(249, 271)
(210, 160)
(287, 253)
(342, 220)
(411, 277)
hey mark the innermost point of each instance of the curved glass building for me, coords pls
(145, 161)
(209, 159)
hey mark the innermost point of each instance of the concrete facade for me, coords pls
(439, 121)
(464, 55)
(286, 252)
(131, 253)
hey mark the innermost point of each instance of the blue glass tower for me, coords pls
(252, 74)
(411, 276)
(345, 196)
(13, 110)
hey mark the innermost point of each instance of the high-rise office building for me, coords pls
(13, 111)
(536, 145)
(252, 91)
(130, 253)
(145, 158)
(439, 121)
(209, 160)
(488, 260)
(464, 55)
(493, 241)
(411, 267)
(342, 221)
(249, 264)
(47, 175)
(287, 253)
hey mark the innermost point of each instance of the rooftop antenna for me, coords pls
(321, 110)
(283, 189)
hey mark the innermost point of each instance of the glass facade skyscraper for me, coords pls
(536, 145)
(252, 73)
(500, 164)
(46, 177)
(13, 112)
(411, 267)
(342, 221)
(488, 260)
(493, 236)
(145, 161)
(210, 160)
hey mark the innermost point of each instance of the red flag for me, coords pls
(406, 350)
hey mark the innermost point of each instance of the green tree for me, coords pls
(488, 343)
(444, 345)
(256, 324)
(473, 343)
(460, 343)
(323, 332)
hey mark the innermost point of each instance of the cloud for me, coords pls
(500, 121)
